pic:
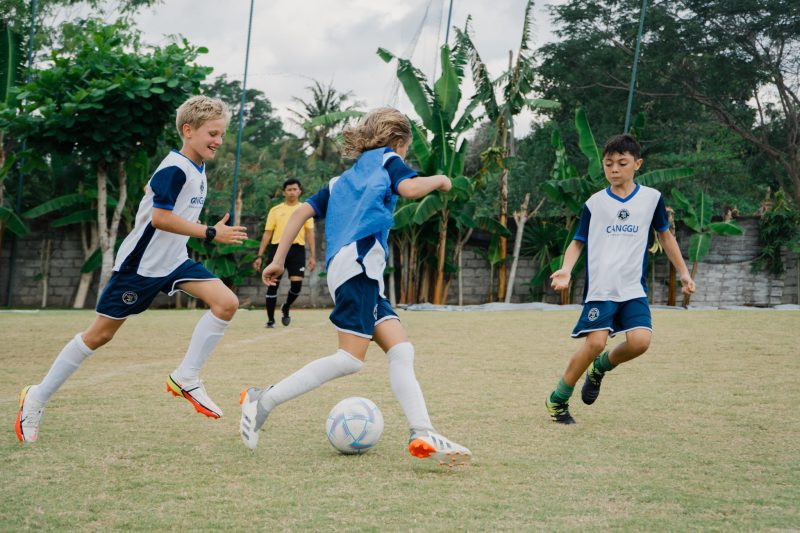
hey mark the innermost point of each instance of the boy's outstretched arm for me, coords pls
(560, 278)
(420, 186)
(166, 220)
(293, 226)
(673, 252)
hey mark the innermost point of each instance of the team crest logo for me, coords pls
(623, 214)
(593, 314)
(130, 297)
(202, 187)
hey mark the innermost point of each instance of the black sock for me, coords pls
(272, 300)
(294, 292)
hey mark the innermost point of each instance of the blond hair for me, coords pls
(384, 126)
(198, 110)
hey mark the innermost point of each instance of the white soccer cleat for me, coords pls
(426, 444)
(28, 418)
(253, 416)
(196, 394)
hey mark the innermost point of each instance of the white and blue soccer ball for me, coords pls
(354, 425)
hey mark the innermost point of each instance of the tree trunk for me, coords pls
(47, 253)
(413, 273)
(441, 252)
(88, 245)
(521, 218)
(459, 251)
(403, 271)
(107, 233)
(237, 216)
(423, 295)
(392, 288)
(501, 274)
(671, 294)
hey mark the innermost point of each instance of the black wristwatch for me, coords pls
(211, 233)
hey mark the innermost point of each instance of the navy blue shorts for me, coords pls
(128, 293)
(616, 317)
(360, 307)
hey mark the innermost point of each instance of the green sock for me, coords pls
(602, 364)
(562, 392)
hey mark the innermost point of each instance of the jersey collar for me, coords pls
(198, 167)
(623, 200)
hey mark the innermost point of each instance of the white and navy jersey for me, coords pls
(358, 209)
(616, 232)
(178, 185)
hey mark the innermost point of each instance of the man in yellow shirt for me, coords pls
(296, 258)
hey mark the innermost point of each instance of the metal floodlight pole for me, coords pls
(449, 17)
(635, 65)
(20, 175)
(241, 115)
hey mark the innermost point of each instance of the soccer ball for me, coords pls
(354, 425)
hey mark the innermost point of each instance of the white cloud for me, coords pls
(294, 41)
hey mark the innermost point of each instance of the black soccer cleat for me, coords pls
(559, 412)
(591, 385)
(270, 324)
(285, 319)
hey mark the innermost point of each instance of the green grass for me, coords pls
(702, 432)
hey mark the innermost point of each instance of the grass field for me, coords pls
(701, 433)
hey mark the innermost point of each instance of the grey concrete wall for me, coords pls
(724, 278)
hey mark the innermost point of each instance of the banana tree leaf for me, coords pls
(85, 215)
(725, 228)
(464, 220)
(542, 103)
(699, 245)
(587, 143)
(422, 149)
(447, 91)
(331, 119)
(404, 215)
(413, 82)
(664, 175)
(10, 61)
(427, 208)
(61, 202)
(459, 160)
(223, 267)
(10, 220)
(493, 226)
(703, 204)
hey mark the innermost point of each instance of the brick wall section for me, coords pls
(725, 278)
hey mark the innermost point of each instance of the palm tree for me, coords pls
(322, 117)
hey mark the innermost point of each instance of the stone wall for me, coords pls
(724, 278)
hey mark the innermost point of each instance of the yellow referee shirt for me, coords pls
(278, 217)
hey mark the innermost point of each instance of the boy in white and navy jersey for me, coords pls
(358, 208)
(615, 227)
(152, 259)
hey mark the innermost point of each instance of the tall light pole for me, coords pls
(635, 65)
(241, 116)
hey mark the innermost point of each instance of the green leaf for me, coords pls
(664, 175)
(446, 89)
(332, 119)
(87, 215)
(404, 215)
(428, 207)
(61, 202)
(726, 228)
(542, 103)
(699, 245)
(9, 219)
(587, 143)
(10, 62)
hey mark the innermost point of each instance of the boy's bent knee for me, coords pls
(225, 307)
(95, 339)
(595, 346)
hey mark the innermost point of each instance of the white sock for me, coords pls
(406, 387)
(67, 362)
(207, 334)
(310, 377)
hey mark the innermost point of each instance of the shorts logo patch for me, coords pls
(302, 269)
(594, 313)
(375, 312)
(623, 214)
(130, 297)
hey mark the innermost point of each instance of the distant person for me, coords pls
(153, 259)
(295, 259)
(358, 207)
(615, 228)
